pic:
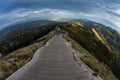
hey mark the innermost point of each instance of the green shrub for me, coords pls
(23, 56)
(6, 74)
(4, 67)
(21, 63)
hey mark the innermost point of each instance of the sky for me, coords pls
(106, 12)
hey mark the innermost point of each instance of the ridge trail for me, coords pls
(55, 61)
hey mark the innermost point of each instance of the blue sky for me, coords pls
(103, 11)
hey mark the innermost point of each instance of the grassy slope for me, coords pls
(100, 68)
(15, 60)
(87, 39)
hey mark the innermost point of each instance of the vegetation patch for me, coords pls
(87, 39)
(98, 67)
(15, 60)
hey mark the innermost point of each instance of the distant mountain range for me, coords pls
(16, 35)
(111, 37)
(23, 27)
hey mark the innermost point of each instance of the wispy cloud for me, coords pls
(103, 11)
(19, 15)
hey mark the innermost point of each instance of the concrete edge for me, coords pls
(81, 63)
(20, 71)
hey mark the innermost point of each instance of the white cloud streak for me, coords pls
(18, 15)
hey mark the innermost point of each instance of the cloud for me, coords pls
(117, 11)
(21, 14)
(103, 11)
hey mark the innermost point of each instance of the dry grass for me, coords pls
(15, 60)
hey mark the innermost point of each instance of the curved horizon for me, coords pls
(102, 11)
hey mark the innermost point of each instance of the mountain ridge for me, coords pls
(104, 46)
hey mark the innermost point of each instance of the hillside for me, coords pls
(18, 58)
(100, 69)
(24, 34)
(96, 45)
(111, 36)
(101, 43)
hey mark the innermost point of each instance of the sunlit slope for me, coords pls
(96, 45)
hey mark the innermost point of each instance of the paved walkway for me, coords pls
(54, 62)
